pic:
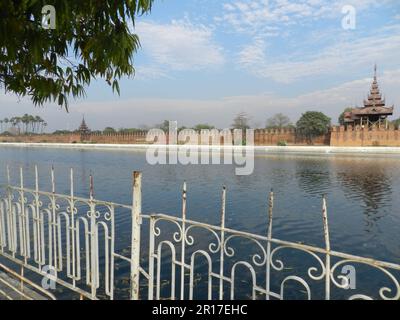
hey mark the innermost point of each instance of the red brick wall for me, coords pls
(119, 138)
(37, 138)
(364, 137)
(271, 137)
(261, 137)
(339, 136)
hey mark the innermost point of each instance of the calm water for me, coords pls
(363, 192)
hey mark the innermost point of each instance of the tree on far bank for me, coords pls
(396, 123)
(24, 124)
(203, 126)
(90, 39)
(109, 130)
(278, 121)
(164, 126)
(241, 121)
(341, 117)
(312, 124)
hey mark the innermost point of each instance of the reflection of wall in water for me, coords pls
(314, 176)
(368, 181)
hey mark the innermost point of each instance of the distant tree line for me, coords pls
(310, 125)
(22, 125)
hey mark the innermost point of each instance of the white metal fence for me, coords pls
(76, 238)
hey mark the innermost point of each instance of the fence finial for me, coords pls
(71, 179)
(270, 212)
(91, 186)
(21, 177)
(184, 198)
(8, 175)
(53, 186)
(325, 223)
(36, 179)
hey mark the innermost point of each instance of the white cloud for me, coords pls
(257, 16)
(339, 58)
(253, 54)
(150, 73)
(220, 111)
(180, 45)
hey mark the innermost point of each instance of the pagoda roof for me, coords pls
(83, 127)
(373, 105)
(372, 110)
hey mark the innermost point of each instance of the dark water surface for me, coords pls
(363, 192)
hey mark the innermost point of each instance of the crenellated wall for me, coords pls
(112, 138)
(271, 137)
(116, 138)
(364, 137)
(261, 137)
(338, 136)
(42, 138)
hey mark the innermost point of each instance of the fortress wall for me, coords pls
(364, 137)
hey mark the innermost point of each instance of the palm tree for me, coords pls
(25, 122)
(6, 121)
(38, 120)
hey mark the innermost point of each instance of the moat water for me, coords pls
(363, 194)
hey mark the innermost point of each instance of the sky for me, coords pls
(204, 61)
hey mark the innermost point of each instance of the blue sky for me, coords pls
(205, 61)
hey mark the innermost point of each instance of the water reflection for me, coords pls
(369, 182)
(314, 176)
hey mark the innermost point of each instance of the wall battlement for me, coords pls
(364, 137)
(339, 136)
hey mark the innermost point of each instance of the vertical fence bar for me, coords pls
(221, 256)
(183, 241)
(72, 226)
(25, 237)
(10, 225)
(269, 236)
(54, 225)
(328, 248)
(151, 259)
(135, 240)
(22, 226)
(40, 226)
(112, 214)
(93, 240)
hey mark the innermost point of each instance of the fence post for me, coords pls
(328, 249)
(93, 241)
(183, 242)
(135, 244)
(11, 233)
(269, 236)
(221, 257)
